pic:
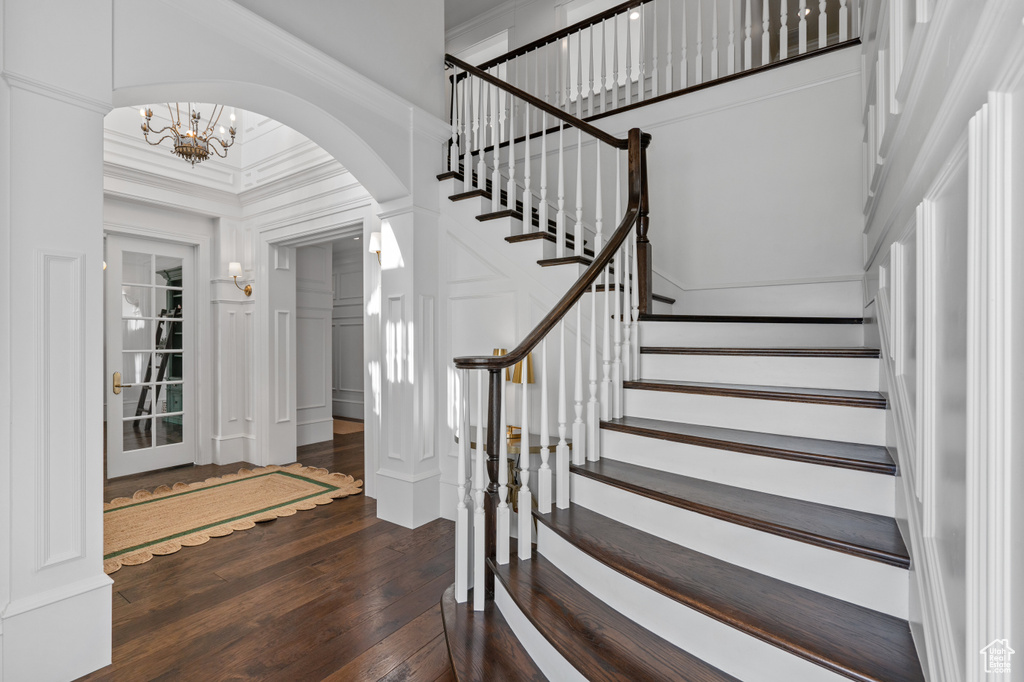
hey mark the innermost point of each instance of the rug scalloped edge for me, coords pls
(142, 556)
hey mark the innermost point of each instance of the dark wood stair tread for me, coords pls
(481, 645)
(566, 260)
(818, 396)
(870, 458)
(751, 318)
(851, 640)
(766, 352)
(598, 640)
(868, 536)
(657, 297)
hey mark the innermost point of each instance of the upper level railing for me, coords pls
(647, 50)
(531, 161)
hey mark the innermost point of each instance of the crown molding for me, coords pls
(23, 82)
(158, 181)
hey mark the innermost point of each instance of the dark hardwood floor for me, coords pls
(328, 594)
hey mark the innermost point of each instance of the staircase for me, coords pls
(728, 511)
(729, 531)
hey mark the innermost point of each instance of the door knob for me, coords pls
(118, 385)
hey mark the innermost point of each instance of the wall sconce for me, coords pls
(516, 375)
(375, 245)
(235, 271)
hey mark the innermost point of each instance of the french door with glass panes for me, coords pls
(151, 362)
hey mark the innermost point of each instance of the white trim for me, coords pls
(68, 591)
(23, 82)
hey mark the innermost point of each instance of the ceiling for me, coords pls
(458, 12)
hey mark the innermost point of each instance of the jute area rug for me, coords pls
(137, 528)
(344, 427)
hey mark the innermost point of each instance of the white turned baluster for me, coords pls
(579, 75)
(527, 171)
(604, 67)
(579, 439)
(560, 215)
(628, 58)
(766, 38)
(578, 233)
(698, 61)
(590, 56)
(479, 530)
(714, 39)
(616, 67)
(542, 210)
(802, 45)
(635, 313)
(822, 25)
(462, 529)
(654, 50)
(627, 296)
(593, 407)
(748, 48)
(497, 118)
(844, 21)
(480, 126)
(616, 322)
(599, 210)
(606, 351)
(544, 473)
(641, 78)
(525, 501)
(453, 148)
(467, 161)
(683, 64)
(730, 60)
(510, 186)
(668, 49)
(504, 515)
(562, 452)
(784, 31)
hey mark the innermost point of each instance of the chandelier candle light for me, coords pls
(189, 143)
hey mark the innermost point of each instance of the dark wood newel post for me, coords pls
(494, 434)
(645, 280)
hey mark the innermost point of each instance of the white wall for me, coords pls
(397, 43)
(313, 298)
(942, 198)
(347, 333)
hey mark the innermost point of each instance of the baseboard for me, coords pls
(230, 449)
(409, 501)
(314, 432)
(60, 635)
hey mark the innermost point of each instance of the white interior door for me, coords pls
(150, 355)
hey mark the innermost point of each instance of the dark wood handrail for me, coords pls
(637, 145)
(562, 33)
(594, 132)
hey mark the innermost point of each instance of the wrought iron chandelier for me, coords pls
(191, 143)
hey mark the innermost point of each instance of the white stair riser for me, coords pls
(830, 422)
(551, 663)
(854, 579)
(710, 640)
(750, 334)
(853, 374)
(537, 249)
(858, 490)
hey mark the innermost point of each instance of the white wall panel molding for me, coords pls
(282, 366)
(426, 376)
(990, 342)
(33, 85)
(60, 438)
(993, 26)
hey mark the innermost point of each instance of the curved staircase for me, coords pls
(729, 531)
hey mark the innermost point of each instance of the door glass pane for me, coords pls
(168, 430)
(133, 368)
(151, 320)
(138, 434)
(136, 268)
(136, 301)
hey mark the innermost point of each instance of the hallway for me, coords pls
(329, 594)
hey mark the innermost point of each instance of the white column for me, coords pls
(55, 599)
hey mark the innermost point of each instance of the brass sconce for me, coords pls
(515, 375)
(375, 245)
(235, 271)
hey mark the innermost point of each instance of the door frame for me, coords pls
(200, 245)
(358, 220)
